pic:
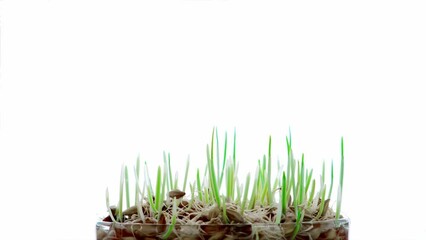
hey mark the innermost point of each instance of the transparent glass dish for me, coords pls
(313, 230)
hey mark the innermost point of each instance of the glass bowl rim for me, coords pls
(340, 220)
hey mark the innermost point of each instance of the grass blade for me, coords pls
(139, 193)
(284, 195)
(269, 199)
(213, 182)
(340, 189)
(224, 159)
(126, 177)
(331, 180)
(158, 190)
(169, 168)
(109, 206)
(225, 217)
(148, 180)
(186, 174)
(217, 157)
(137, 174)
(246, 188)
(321, 209)
(311, 195)
(120, 197)
(199, 188)
(234, 159)
(173, 221)
(308, 180)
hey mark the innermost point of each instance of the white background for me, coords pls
(88, 85)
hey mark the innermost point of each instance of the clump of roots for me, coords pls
(196, 219)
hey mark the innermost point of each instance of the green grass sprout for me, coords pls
(186, 174)
(137, 176)
(225, 217)
(234, 152)
(322, 203)
(126, 181)
(308, 180)
(224, 159)
(311, 195)
(299, 219)
(148, 180)
(213, 183)
(108, 206)
(169, 168)
(283, 200)
(158, 191)
(120, 201)
(217, 157)
(199, 188)
(173, 221)
(268, 185)
(284, 194)
(176, 181)
(340, 188)
(139, 193)
(246, 189)
(331, 180)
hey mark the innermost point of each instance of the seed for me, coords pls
(234, 216)
(176, 194)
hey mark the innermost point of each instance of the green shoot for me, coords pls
(175, 182)
(299, 218)
(109, 206)
(340, 188)
(137, 174)
(126, 177)
(239, 187)
(148, 180)
(224, 159)
(199, 189)
(246, 188)
(186, 174)
(212, 175)
(217, 157)
(301, 180)
(151, 200)
(191, 187)
(308, 180)
(169, 169)
(331, 180)
(284, 195)
(321, 209)
(162, 192)
(173, 222)
(311, 195)
(270, 199)
(323, 174)
(234, 159)
(254, 190)
(207, 198)
(289, 160)
(139, 193)
(158, 191)
(230, 181)
(120, 201)
(225, 217)
(282, 207)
